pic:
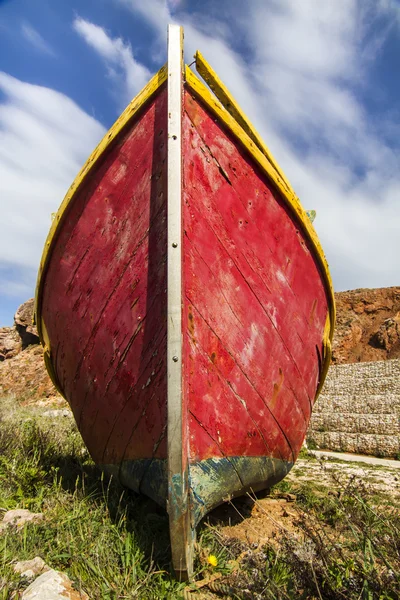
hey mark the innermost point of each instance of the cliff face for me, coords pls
(367, 325)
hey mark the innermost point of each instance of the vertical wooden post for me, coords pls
(178, 490)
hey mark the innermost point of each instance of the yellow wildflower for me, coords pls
(212, 560)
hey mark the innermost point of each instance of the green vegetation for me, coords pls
(114, 544)
(111, 543)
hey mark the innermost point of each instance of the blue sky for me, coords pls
(320, 81)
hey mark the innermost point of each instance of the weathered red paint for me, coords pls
(104, 297)
(255, 303)
(254, 310)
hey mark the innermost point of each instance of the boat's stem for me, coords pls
(178, 489)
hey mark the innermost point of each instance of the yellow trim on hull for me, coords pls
(131, 110)
(274, 173)
(228, 102)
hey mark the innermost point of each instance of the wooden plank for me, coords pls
(242, 232)
(251, 330)
(258, 361)
(261, 204)
(224, 363)
(178, 486)
(104, 298)
(293, 203)
(90, 167)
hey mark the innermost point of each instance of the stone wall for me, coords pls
(359, 409)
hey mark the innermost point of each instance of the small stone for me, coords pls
(31, 568)
(18, 518)
(57, 413)
(290, 497)
(53, 585)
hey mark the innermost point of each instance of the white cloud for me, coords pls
(156, 12)
(44, 140)
(129, 74)
(34, 37)
(23, 288)
(307, 67)
(314, 37)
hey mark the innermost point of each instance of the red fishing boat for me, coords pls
(184, 302)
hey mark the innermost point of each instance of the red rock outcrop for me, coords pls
(367, 325)
(23, 334)
(22, 370)
(23, 321)
(25, 376)
(10, 343)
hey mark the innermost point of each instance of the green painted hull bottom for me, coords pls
(211, 481)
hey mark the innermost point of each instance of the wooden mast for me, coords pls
(178, 485)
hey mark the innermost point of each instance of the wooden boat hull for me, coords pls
(185, 307)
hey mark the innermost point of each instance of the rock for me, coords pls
(25, 377)
(367, 325)
(388, 334)
(53, 585)
(31, 568)
(62, 412)
(10, 343)
(18, 518)
(288, 497)
(23, 320)
(23, 334)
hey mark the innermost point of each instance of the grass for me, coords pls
(115, 545)
(110, 542)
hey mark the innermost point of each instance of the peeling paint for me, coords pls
(215, 480)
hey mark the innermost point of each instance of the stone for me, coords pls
(31, 568)
(53, 585)
(55, 413)
(10, 343)
(23, 320)
(18, 518)
(388, 334)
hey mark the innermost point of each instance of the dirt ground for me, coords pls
(261, 520)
